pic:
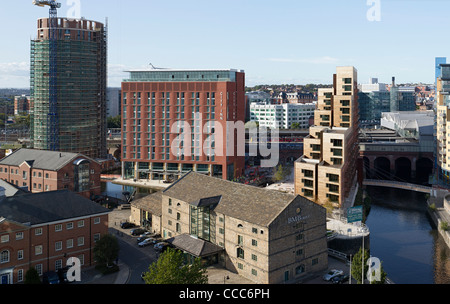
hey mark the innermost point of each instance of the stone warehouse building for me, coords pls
(266, 236)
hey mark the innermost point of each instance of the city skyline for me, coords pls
(275, 43)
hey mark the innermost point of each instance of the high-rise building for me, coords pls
(443, 125)
(175, 121)
(80, 84)
(374, 99)
(438, 61)
(326, 172)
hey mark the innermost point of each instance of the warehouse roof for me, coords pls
(45, 207)
(41, 159)
(248, 203)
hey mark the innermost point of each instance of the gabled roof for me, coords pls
(151, 203)
(41, 159)
(45, 207)
(252, 204)
(194, 246)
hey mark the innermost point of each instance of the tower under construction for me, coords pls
(78, 113)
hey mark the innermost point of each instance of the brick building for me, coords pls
(43, 230)
(264, 235)
(175, 121)
(42, 170)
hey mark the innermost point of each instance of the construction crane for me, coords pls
(52, 117)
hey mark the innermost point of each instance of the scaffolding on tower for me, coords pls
(52, 117)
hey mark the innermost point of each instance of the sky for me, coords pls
(275, 42)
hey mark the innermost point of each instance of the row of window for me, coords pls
(38, 249)
(38, 231)
(38, 267)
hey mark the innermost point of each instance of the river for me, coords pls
(402, 235)
(405, 239)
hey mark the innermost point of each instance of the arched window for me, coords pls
(4, 256)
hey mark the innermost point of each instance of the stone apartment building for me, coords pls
(43, 230)
(327, 170)
(42, 170)
(264, 235)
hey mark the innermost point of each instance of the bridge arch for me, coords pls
(403, 168)
(382, 168)
(424, 168)
(366, 167)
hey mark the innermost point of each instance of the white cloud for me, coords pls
(14, 75)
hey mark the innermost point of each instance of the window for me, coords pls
(80, 241)
(254, 272)
(20, 254)
(58, 245)
(69, 226)
(69, 243)
(20, 275)
(38, 231)
(97, 220)
(19, 235)
(315, 261)
(254, 257)
(38, 268)
(4, 256)
(4, 238)
(96, 237)
(240, 240)
(255, 230)
(58, 227)
(80, 223)
(300, 269)
(254, 243)
(38, 250)
(58, 264)
(240, 253)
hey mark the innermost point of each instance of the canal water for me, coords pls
(402, 235)
(405, 239)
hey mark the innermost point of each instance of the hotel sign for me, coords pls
(355, 214)
(297, 218)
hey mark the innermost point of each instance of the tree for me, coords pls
(32, 277)
(171, 269)
(106, 250)
(295, 125)
(114, 122)
(357, 268)
(279, 174)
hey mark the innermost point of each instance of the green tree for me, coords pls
(295, 125)
(114, 122)
(32, 277)
(171, 269)
(106, 250)
(357, 268)
(357, 265)
(279, 174)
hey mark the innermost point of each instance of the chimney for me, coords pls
(393, 81)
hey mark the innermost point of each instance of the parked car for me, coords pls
(331, 274)
(340, 279)
(146, 242)
(62, 275)
(50, 277)
(137, 231)
(161, 246)
(126, 225)
(141, 238)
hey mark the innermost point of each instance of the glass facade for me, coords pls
(372, 104)
(174, 75)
